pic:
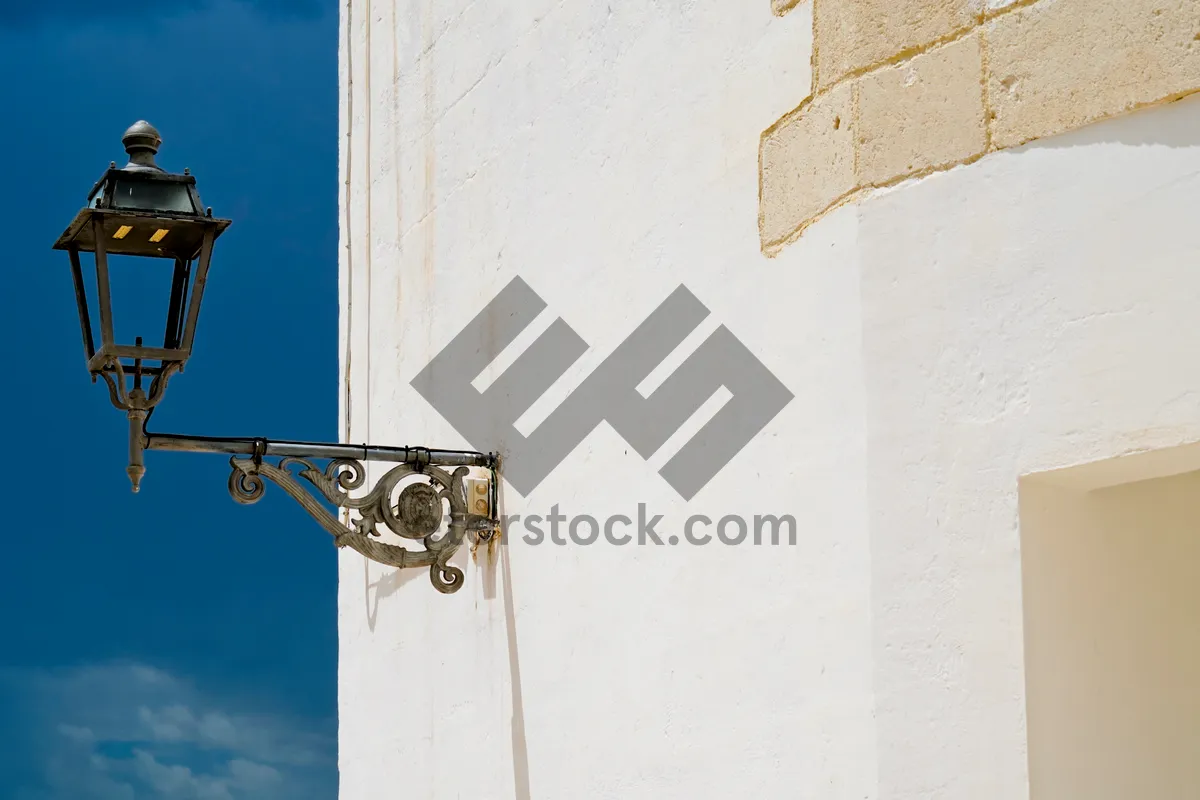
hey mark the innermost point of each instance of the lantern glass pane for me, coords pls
(141, 297)
(153, 196)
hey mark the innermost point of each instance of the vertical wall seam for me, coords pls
(397, 166)
(429, 124)
(369, 21)
(349, 244)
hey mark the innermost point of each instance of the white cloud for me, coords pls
(76, 734)
(167, 725)
(249, 774)
(177, 781)
(134, 732)
(259, 737)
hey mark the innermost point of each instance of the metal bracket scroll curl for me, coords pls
(416, 512)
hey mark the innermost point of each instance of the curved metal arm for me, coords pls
(416, 512)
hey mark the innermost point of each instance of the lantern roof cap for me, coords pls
(142, 141)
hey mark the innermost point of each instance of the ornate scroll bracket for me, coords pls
(431, 499)
(418, 499)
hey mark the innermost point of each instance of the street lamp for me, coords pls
(141, 210)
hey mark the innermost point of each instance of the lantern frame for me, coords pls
(125, 216)
(141, 210)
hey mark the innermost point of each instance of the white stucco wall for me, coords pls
(1030, 311)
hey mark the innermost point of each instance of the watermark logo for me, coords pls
(487, 418)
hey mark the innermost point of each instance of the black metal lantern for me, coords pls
(142, 210)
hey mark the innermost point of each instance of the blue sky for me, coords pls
(170, 644)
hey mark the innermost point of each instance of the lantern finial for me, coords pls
(141, 143)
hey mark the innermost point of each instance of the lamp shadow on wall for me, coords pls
(392, 582)
(1110, 557)
(520, 752)
(477, 562)
(388, 584)
(493, 561)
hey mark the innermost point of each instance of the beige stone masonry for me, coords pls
(905, 88)
(851, 35)
(1061, 64)
(924, 114)
(809, 159)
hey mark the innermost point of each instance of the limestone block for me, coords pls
(1061, 64)
(850, 35)
(924, 113)
(806, 163)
